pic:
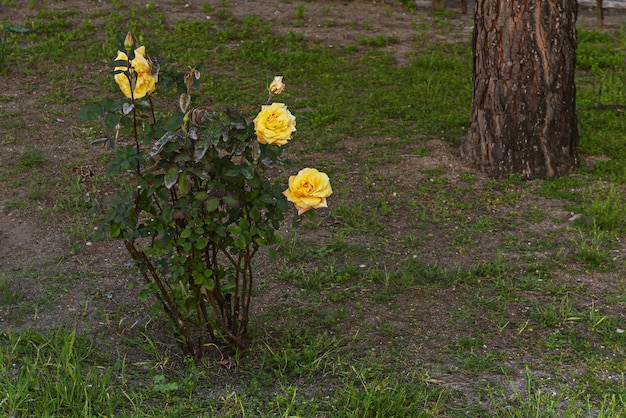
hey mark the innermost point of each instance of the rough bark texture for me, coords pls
(523, 115)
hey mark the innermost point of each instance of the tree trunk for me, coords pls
(599, 13)
(439, 4)
(523, 114)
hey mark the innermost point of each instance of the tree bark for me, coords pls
(439, 4)
(523, 114)
(599, 13)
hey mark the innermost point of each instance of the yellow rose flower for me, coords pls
(308, 190)
(145, 78)
(274, 124)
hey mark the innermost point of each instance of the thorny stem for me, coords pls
(163, 297)
(248, 278)
(135, 130)
(235, 308)
(198, 297)
(217, 291)
(205, 314)
(152, 113)
(220, 319)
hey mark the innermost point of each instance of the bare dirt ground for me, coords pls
(36, 246)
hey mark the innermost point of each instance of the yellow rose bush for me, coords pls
(198, 199)
(308, 190)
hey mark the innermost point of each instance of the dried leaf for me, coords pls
(158, 146)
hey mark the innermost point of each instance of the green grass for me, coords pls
(5, 49)
(429, 291)
(602, 81)
(8, 295)
(31, 158)
(54, 373)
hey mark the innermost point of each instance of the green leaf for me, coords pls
(209, 285)
(231, 201)
(215, 133)
(113, 106)
(115, 230)
(108, 105)
(202, 195)
(118, 63)
(91, 112)
(198, 279)
(247, 171)
(110, 120)
(201, 148)
(255, 214)
(211, 204)
(201, 243)
(240, 242)
(234, 229)
(243, 224)
(144, 294)
(184, 184)
(186, 233)
(267, 198)
(256, 150)
(126, 122)
(182, 158)
(232, 172)
(171, 176)
(297, 219)
(172, 122)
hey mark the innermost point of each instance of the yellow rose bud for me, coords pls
(277, 86)
(145, 78)
(274, 124)
(128, 42)
(308, 190)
